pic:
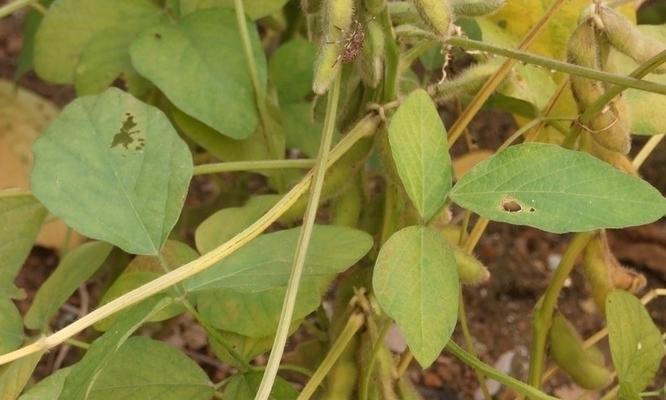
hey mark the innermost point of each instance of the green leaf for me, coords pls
(245, 347)
(302, 131)
(11, 327)
(48, 388)
(228, 222)
(85, 373)
(143, 368)
(255, 314)
(290, 69)
(31, 22)
(266, 261)
(20, 220)
(418, 144)
(114, 169)
(245, 386)
(70, 24)
(635, 342)
(416, 283)
(255, 9)
(556, 190)
(198, 63)
(74, 269)
(143, 269)
(14, 376)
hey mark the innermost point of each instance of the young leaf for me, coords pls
(57, 50)
(245, 386)
(198, 63)
(86, 372)
(635, 342)
(266, 261)
(20, 220)
(255, 9)
(143, 269)
(290, 69)
(418, 144)
(48, 388)
(75, 268)
(143, 368)
(14, 376)
(114, 169)
(556, 190)
(416, 283)
(11, 327)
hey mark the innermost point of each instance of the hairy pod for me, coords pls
(611, 127)
(347, 206)
(470, 270)
(371, 62)
(436, 14)
(338, 20)
(628, 39)
(587, 48)
(327, 66)
(375, 7)
(476, 8)
(597, 267)
(467, 82)
(618, 160)
(584, 366)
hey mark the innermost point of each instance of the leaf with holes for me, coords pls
(635, 342)
(416, 283)
(74, 269)
(418, 144)
(198, 63)
(114, 169)
(556, 190)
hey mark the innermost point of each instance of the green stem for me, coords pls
(78, 343)
(370, 364)
(572, 69)
(354, 323)
(14, 193)
(232, 166)
(289, 367)
(303, 243)
(259, 89)
(543, 317)
(491, 372)
(14, 6)
(469, 343)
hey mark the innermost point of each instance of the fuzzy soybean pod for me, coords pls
(584, 366)
(436, 14)
(587, 48)
(371, 61)
(611, 129)
(338, 20)
(375, 7)
(476, 8)
(471, 271)
(628, 39)
(468, 82)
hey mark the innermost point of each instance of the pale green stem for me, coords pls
(303, 242)
(354, 323)
(370, 364)
(14, 193)
(469, 343)
(78, 343)
(233, 166)
(491, 372)
(14, 6)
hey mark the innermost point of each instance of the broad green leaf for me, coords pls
(198, 63)
(418, 144)
(11, 326)
(290, 69)
(48, 388)
(70, 24)
(143, 269)
(416, 283)
(255, 9)
(114, 169)
(104, 58)
(245, 386)
(74, 269)
(266, 261)
(646, 110)
(556, 190)
(245, 347)
(301, 130)
(85, 373)
(226, 223)
(255, 314)
(143, 368)
(14, 376)
(20, 220)
(635, 342)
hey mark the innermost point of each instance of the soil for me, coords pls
(521, 262)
